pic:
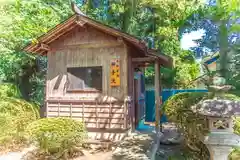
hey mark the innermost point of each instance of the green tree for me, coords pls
(223, 12)
(24, 20)
(21, 22)
(166, 19)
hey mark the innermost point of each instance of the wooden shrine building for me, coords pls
(91, 75)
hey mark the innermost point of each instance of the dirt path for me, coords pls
(14, 155)
(136, 146)
(96, 156)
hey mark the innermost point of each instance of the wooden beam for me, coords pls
(43, 53)
(48, 36)
(110, 30)
(44, 47)
(143, 65)
(143, 59)
(56, 36)
(62, 26)
(120, 39)
(81, 23)
(41, 48)
(157, 95)
(94, 45)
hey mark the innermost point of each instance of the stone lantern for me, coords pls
(220, 139)
(220, 113)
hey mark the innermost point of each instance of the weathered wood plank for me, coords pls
(89, 108)
(92, 115)
(143, 59)
(47, 109)
(125, 116)
(92, 45)
(58, 109)
(103, 120)
(103, 125)
(86, 101)
(157, 95)
(71, 110)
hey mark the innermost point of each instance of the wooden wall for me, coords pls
(85, 47)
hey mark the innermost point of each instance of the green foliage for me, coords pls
(169, 16)
(15, 115)
(23, 21)
(17, 107)
(159, 20)
(237, 126)
(193, 125)
(7, 126)
(181, 76)
(57, 136)
(186, 71)
(222, 12)
(236, 153)
(9, 90)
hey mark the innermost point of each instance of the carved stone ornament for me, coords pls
(221, 124)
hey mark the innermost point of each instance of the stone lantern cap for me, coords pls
(217, 108)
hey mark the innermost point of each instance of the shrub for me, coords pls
(15, 115)
(57, 136)
(237, 126)
(7, 127)
(21, 111)
(16, 107)
(9, 90)
(193, 125)
(236, 153)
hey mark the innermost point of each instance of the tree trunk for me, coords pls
(223, 46)
(130, 11)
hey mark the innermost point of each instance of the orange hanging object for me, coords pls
(115, 73)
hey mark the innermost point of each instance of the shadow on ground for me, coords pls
(136, 146)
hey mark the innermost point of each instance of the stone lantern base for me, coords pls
(219, 152)
(220, 144)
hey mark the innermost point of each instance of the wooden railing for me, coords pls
(95, 115)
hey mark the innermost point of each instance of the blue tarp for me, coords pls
(166, 93)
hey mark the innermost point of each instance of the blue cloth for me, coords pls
(166, 93)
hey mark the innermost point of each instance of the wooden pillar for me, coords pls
(157, 95)
(133, 105)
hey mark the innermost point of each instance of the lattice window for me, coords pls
(85, 78)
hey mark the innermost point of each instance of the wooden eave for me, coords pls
(163, 59)
(43, 42)
(50, 36)
(151, 57)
